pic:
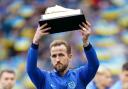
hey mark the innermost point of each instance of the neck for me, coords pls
(64, 72)
(100, 86)
(1, 86)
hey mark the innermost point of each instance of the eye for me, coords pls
(126, 75)
(12, 78)
(61, 55)
(54, 56)
(6, 78)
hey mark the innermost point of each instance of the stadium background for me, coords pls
(19, 19)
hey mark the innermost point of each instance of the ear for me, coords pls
(70, 56)
(121, 76)
(51, 59)
(50, 55)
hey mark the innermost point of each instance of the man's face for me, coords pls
(107, 79)
(124, 76)
(7, 80)
(60, 57)
(104, 79)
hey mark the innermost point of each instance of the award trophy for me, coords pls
(61, 19)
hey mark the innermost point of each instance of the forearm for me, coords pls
(32, 57)
(88, 71)
(36, 75)
(91, 56)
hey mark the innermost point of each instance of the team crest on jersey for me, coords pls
(71, 85)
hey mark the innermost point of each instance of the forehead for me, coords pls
(105, 72)
(125, 72)
(58, 48)
(7, 74)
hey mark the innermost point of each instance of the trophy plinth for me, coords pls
(63, 21)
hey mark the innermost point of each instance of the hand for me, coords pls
(85, 31)
(40, 32)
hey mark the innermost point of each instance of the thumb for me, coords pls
(82, 33)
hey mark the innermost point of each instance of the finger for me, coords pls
(81, 26)
(88, 23)
(85, 32)
(44, 25)
(38, 25)
(84, 28)
(85, 25)
(82, 32)
(45, 33)
(88, 28)
(46, 29)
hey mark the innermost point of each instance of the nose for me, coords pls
(57, 58)
(9, 81)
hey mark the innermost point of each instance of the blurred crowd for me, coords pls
(19, 20)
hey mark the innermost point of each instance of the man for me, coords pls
(7, 79)
(123, 82)
(102, 80)
(62, 77)
(60, 52)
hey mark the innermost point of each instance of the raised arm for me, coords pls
(88, 71)
(36, 75)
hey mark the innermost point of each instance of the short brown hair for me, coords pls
(8, 71)
(125, 66)
(61, 42)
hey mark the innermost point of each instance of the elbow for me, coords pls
(30, 71)
(97, 64)
(29, 68)
(94, 64)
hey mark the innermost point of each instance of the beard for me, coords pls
(59, 67)
(7, 87)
